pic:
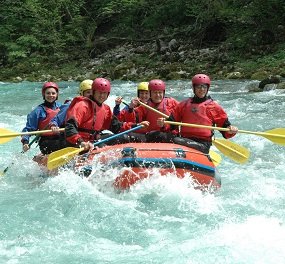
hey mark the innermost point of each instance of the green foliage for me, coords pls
(28, 42)
(267, 14)
(61, 30)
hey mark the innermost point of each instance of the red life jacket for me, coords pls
(43, 124)
(91, 118)
(166, 106)
(126, 116)
(196, 114)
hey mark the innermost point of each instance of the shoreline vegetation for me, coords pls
(138, 63)
(128, 41)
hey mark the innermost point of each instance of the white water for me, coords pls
(67, 219)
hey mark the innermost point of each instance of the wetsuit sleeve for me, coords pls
(172, 105)
(127, 115)
(74, 117)
(139, 114)
(116, 110)
(117, 126)
(71, 132)
(175, 116)
(225, 133)
(220, 119)
(171, 118)
(32, 122)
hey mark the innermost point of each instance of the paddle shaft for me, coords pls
(263, 134)
(276, 137)
(63, 156)
(195, 125)
(28, 133)
(30, 144)
(117, 135)
(125, 104)
(198, 126)
(183, 124)
(154, 110)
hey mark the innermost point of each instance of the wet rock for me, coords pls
(234, 75)
(253, 87)
(269, 80)
(162, 47)
(269, 87)
(18, 79)
(122, 70)
(178, 75)
(173, 45)
(281, 85)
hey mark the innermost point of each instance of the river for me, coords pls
(66, 219)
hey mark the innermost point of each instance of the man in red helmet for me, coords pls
(39, 119)
(86, 118)
(158, 100)
(202, 110)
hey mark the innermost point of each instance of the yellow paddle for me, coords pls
(154, 110)
(215, 157)
(63, 156)
(234, 151)
(7, 135)
(276, 135)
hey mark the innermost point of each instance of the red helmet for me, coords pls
(101, 85)
(156, 85)
(201, 79)
(49, 85)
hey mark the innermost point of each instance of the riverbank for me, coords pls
(171, 60)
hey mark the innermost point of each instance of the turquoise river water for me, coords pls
(67, 219)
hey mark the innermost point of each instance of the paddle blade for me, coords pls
(276, 135)
(61, 157)
(215, 157)
(6, 135)
(6, 139)
(232, 150)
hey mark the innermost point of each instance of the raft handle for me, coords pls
(180, 153)
(129, 152)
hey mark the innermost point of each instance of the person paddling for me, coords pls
(200, 109)
(160, 102)
(86, 118)
(126, 115)
(58, 121)
(39, 119)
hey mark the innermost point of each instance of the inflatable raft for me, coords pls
(136, 162)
